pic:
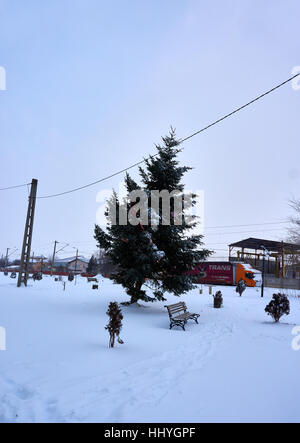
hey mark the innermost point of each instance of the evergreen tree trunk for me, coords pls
(135, 294)
(112, 340)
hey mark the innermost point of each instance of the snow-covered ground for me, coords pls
(236, 365)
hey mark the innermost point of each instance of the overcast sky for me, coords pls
(92, 85)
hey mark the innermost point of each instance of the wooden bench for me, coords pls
(179, 315)
(92, 279)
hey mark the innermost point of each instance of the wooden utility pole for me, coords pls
(6, 259)
(262, 278)
(53, 257)
(76, 260)
(76, 265)
(266, 255)
(283, 263)
(25, 256)
(42, 263)
(32, 260)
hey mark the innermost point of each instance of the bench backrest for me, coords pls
(176, 308)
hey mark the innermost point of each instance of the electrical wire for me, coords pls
(243, 232)
(252, 224)
(180, 141)
(241, 107)
(14, 187)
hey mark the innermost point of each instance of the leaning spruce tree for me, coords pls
(156, 256)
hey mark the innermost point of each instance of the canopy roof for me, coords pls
(273, 246)
(71, 259)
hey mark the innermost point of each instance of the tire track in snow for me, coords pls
(19, 404)
(144, 385)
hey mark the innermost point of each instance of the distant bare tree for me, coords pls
(16, 262)
(294, 230)
(293, 260)
(92, 266)
(105, 265)
(2, 261)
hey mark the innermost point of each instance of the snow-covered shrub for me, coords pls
(115, 323)
(241, 286)
(218, 300)
(278, 306)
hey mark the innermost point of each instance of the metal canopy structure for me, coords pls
(282, 256)
(271, 245)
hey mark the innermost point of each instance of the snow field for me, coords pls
(236, 365)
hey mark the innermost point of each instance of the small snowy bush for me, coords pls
(115, 323)
(278, 306)
(241, 286)
(218, 300)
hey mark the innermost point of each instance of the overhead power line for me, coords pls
(181, 141)
(241, 226)
(14, 187)
(243, 232)
(217, 227)
(144, 160)
(96, 182)
(240, 108)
